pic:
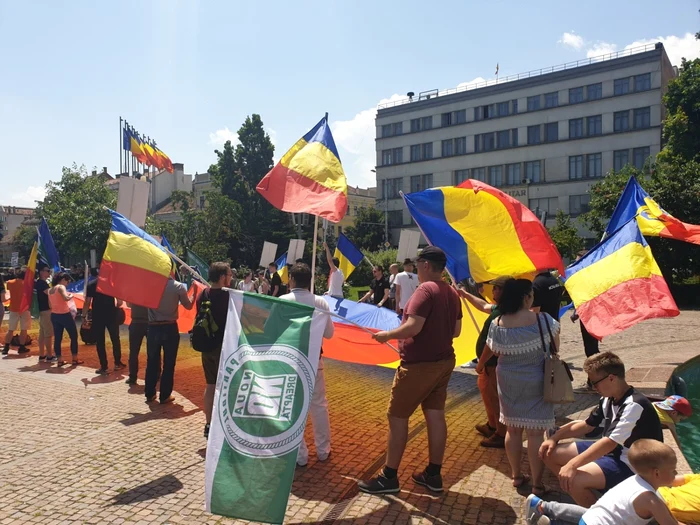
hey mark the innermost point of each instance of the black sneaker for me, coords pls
(6, 349)
(151, 399)
(206, 430)
(434, 483)
(102, 371)
(52, 359)
(380, 485)
(22, 349)
(131, 381)
(119, 366)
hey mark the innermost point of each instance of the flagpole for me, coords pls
(313, 254)
(121, 145)
(187, 267)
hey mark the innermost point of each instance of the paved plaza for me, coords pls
(79, 448)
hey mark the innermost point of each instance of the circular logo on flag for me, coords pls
(264, 390)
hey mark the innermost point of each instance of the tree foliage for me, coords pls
(682, 125)
(363, 273)
(565, 236)
(368, 231)
(23, 240)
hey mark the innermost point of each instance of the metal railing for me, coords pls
(520, 76)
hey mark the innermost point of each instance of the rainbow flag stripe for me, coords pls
(484, 232)
(309, 178)
(134, 267)
(618, 284)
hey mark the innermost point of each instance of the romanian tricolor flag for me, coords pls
(282, 268)
(28, 294)
(618, 284)
(309, 178)
(134, 267)
(348, 255)
(163, 161)
(653, 220)
(484, 232)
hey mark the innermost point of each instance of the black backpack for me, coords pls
(204, 336)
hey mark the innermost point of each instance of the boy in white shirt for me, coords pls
(406, 283)
(336, 277)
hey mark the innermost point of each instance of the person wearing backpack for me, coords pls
(212, 309)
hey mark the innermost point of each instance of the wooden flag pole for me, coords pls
(313, 254)
(186, 267)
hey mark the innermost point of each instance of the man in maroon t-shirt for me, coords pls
(431, 319)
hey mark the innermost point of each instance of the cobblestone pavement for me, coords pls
(77, 448)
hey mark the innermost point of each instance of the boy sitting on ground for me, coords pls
(632, 502)
(625, 415)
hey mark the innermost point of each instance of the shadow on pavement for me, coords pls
(158, 411)
(162, 486)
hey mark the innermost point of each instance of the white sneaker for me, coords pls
(470, 364)
(302, 463)
(324, 457)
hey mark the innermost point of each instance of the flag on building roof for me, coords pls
(28, 295)
(348, 255)
(47, 249)
(267, 372)
(309, 178)
(618, 284)
(653, 220)
(135, 267)
(282, 268)
(484, 232)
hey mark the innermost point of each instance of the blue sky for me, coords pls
(187, 73)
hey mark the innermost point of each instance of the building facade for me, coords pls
(358, 198)
(543, 137)
(11, 218)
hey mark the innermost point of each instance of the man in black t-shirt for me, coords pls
(548, 293)
(104, 315)
(275, 280)
(378, 288)
(45, 326)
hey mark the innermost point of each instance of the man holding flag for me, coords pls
(336, 277)
(21, 290)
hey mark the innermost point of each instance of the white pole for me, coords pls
(313, 254)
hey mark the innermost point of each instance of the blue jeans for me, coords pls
(65, 322)
(137, 331)
(165, 337)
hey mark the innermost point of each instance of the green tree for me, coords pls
(23, 239)
(682, 125)
(565, 236)
(368, 231)
(74, 208)
(363, 273)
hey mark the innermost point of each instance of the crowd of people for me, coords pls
(615, 470)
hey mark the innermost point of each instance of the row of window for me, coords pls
(577, 95)
(641, 118)
(503, 175)
(393, 187)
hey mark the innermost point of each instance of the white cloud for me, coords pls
(572, 40)
(477, 80)
(600, 48)
(28, 197)
(220, 136)
(677, 47)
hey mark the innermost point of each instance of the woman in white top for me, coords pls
(247, 284)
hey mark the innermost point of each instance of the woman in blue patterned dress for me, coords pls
(515, 338)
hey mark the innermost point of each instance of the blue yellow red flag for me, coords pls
(348, 255)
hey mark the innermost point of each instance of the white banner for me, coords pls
(296, 250)
(408, 244)
(133, 200)
(268, 254)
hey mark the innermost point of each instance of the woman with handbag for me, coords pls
(63, 317)
(516, 339)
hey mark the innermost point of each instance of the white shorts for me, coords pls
(24, 320)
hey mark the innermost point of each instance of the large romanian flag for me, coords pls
(618, 284)
(309, 178)
(653, 220)
(484, 232)
(134, 267)
(348, 255)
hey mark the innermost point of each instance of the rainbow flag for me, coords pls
(484, 232)
(134, 267)
(282, 268)
(348, 255)
(28, 294)
(618, 284)
(653, 220)
(309, 178)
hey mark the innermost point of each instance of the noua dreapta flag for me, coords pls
(267, 374)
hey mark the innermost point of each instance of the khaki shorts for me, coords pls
(420, 384)
(45, 325)
(24, 320)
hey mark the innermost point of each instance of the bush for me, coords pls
(363, 273)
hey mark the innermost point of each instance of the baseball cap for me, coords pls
(499, 281)
(433, 254)
(677, 403)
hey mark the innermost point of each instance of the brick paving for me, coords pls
(81, 449)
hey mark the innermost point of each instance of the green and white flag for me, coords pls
(267, 372)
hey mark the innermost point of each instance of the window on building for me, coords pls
(460, 176)
(489, 141)
(395, 218)
(594, 91)
(503, 109)
(640, 156)
(576, 167)
(416, 183)
(621, 158)
(479, 174)
(387, 130)
(488, 111)
(622, 86)
(533, 134)
(426, 123)
(427, 150)
(398, 128)
(551, 100)
(393, 187)
(514, 106)
(533, 103)
(642, 118)
(513, 177)
(551, 132)
(460, 117)
(446, 119)
(503, 139)
(477, 113)
(621, 121)
(416, 152)
(575, 95)
(447, 148)
(496, 176)
(387, 157)
(202, 199)
(575, 128)
(642, 82)
(421, 182)
(533, 171)
(578, 204)
(594, 125)
(514, 137)
(460, 145)
(415, 125)
(595, 165)
(355, 209)
(398, 155)
(550, 205)
(477, 144)
(348, 212)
